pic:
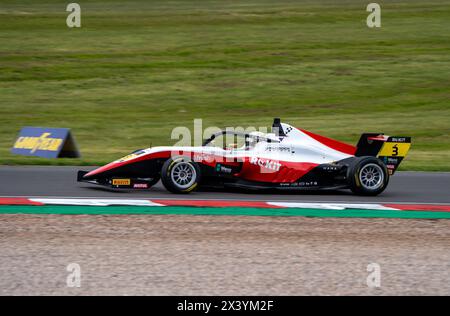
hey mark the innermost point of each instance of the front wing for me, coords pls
(119, 182)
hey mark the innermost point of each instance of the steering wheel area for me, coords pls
(249, 140)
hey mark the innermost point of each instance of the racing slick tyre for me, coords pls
(180, 175)
(368, 176)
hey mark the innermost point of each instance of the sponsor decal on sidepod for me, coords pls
(266, 163)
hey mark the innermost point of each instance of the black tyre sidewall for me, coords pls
(353, 176)
(166, 178)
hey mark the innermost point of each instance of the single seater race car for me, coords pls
(289, 158)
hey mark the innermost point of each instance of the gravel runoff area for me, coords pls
(222, 255)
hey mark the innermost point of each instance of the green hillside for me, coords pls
(137, 69)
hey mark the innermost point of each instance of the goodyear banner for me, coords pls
(46, 142)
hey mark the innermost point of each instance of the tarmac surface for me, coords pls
(29, 181)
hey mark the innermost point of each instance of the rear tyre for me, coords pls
(180, 175)
(368, 176)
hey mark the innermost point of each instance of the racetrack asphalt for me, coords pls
(32, 181)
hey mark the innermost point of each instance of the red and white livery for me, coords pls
(289, 158)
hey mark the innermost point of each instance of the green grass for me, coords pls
(229, 211)
(137, 69)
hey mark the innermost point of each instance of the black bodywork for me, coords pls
(325, 176)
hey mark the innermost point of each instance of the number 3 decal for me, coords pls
(395, 150)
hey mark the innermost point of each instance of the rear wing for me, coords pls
(390, 149)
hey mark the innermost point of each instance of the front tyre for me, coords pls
(368, 176)
(180, 175)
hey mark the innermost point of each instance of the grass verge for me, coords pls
(137, 69)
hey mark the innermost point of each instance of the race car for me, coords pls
(288, 158)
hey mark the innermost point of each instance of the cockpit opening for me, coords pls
(232, 140)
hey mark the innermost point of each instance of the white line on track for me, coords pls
(227, 199)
